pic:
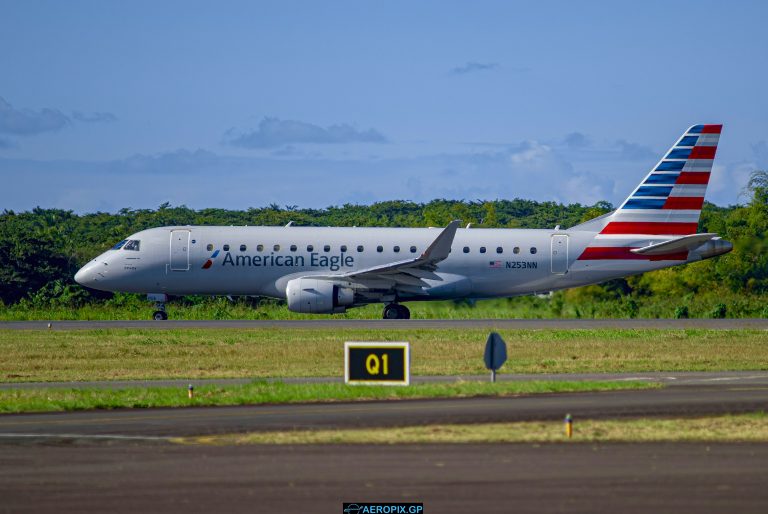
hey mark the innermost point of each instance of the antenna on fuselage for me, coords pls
(289, 223)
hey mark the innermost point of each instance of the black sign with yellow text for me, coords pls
(376, 363)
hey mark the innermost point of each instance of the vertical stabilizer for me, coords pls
(666, 204)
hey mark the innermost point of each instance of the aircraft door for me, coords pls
(180, 250)
(559, 254)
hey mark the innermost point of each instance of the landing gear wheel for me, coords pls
(396, 311)
(159, 316)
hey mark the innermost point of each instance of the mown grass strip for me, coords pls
(730, 428)
(261, 392)
(126, 354)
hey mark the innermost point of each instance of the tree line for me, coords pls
(41, 249)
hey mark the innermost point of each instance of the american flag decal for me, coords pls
(494, 264)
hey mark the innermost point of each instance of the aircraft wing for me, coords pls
(678, 244)
(406, 275)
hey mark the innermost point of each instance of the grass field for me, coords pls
(576, 303)
(114, 354)
(261, 392)
(730, 428)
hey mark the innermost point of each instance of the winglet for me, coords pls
(441, 246)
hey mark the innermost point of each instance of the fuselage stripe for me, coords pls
(599, 253)
(653, 228)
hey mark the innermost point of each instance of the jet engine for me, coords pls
(315, 296)
(713, 248)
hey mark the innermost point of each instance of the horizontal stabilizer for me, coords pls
(679, 244)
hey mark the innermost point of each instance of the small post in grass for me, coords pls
(568, 426)
(191, 391)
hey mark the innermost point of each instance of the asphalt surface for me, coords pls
(337, 324)
(572, 478)
(669, 378)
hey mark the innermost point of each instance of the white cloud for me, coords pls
(274, 132)
(472, 67)
(25, 122)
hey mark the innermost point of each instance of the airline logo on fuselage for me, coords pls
(313, 260)
(209, 262)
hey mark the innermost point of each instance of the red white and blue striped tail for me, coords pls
(666, 204)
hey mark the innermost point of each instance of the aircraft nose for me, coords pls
(91, 273)
(82, 276)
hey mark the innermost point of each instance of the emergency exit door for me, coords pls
(559, 254)
(180, 250)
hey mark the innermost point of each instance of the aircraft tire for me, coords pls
(391, 311)
(159, 316)
(396, 311)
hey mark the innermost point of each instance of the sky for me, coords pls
(107, 105)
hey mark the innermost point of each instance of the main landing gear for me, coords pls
(396, 311)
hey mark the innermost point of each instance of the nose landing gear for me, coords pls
(159, 299)
(396, 311)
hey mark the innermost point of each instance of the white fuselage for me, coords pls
(260, 261)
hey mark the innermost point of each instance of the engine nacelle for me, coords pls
(315, 296)
(713, 248)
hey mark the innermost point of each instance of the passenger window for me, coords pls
(413, 249)
(259, 248)
(209, 247)
(293, 248)
(499, 249)
(533, 249)
(482, 249)
(310, 248)
(327, 248)
(396, 249)
(276, 248)
(360, 248)
(243, 248)
(379, 248)
(120, 244)
(343, 248)
(516, 249)
(132, 244)
(466, 249)
(226, 248)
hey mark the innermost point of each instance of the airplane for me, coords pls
(327, 270)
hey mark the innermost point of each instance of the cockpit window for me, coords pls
(120, 244)
(132, 244)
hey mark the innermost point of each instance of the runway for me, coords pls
(448, 479)
(340, 324)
